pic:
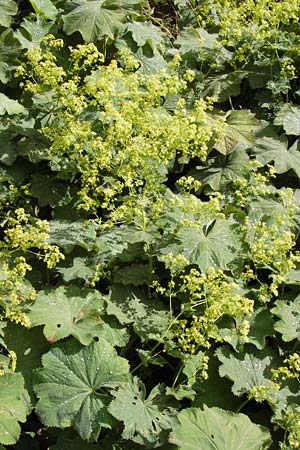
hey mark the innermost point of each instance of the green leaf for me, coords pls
(67, 234)
(10, 106)
(222, 169)
(214, 245)
(150, 318)
(150, 65)
(8, 8)
(216, 429)
(68, 311)
(198, 39)
(48, 190)
(269, 149)
(8, 152)
(240, 129)
(31, 34)
(145, 32)
(192, 364)
(289, 118)
(73, 384)
(289, 314)
(29, 346)
(9, 50)
(94, 19)
(44, 8)
(261, 326)
(144, 418)
(246, 370)
(134, 274)
(215, 391)
(13, 407)
(82, 268)
(223, 86)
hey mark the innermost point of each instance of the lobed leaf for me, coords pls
(289, 314)
(73, 386)
(216, 429)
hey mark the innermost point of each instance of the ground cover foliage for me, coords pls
(149, 279)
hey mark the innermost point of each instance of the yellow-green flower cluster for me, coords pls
(131, 140)
(28, 236)
(211, 296)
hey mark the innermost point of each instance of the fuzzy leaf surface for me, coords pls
(68, 311)
(214, 245)
(8, 8)
(240, 129)
(67, 234)
(269, 149)
(70, 386)
(44, 8)
(13, 407)
(9, 106)
(216, 429)
(31, 34)
(223, 169)
(144, 418)
(246, 370)
(129, 305)
(29, 346)
(289, 314)
(94, 19)
(289, 118)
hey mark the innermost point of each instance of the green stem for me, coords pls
(242, 405)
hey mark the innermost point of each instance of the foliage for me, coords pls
(149, 205)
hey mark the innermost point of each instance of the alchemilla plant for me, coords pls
(149, 202)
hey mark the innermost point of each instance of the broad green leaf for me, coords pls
(261, 326)
(8, 8)
(29, 346)
(48, 190)
(83, 268)
(214, 245)
(150, 65)
(135, 274)
(265, 207)
(44, 8)
(150, 318)
(198, 39)
(8, 150)
(222, 169)
(240, 128)
(31, 34)
(9, 50)
(246, 370)
(145, 32)
(67, 234)
(289, 314)
(9, 106)
(192, 365)
(216, 429)
(215, 391)
(144, 418)
(268, 149)
(223, 86)
(72, 386)
(13, 407)
(68, 311)
(94, 19)
(289, 118)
